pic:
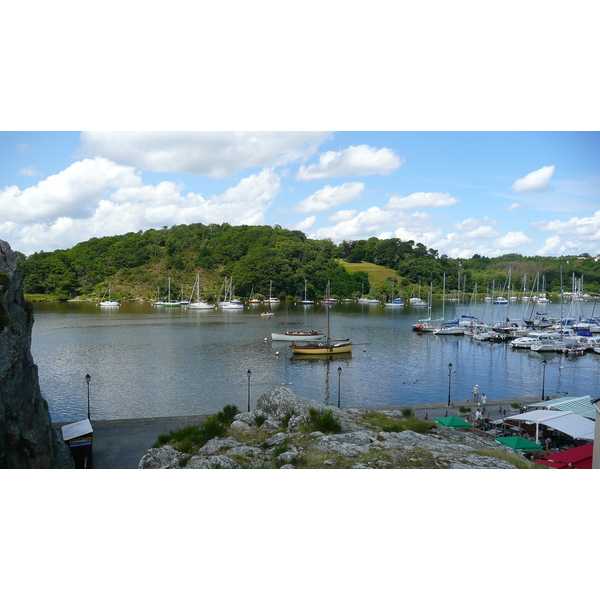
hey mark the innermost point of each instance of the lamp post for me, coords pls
(339, 384)
(449, 380)
(249, 373)
(544, 363)
(87, 380)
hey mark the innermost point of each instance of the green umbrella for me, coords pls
(516, 442)
(454, 422)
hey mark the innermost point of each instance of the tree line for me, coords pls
(255, 257)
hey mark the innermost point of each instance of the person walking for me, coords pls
(483, 404)
(476, 393)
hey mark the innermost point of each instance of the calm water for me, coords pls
(149, 362)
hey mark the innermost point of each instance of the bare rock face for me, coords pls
(27, 438)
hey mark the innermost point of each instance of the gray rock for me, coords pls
(217, 445)
(165, 457)
(288, 457)
(270, 425)
(278, 438)
(240, 425)
(247, 418)
(245, 451)
(212, 462)
(359, 438)
(27, 438)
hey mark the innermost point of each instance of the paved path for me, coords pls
(120, 444)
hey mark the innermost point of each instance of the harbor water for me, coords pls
(147, 361)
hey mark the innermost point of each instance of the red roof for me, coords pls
(574, 458)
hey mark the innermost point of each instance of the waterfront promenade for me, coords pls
(120, 444)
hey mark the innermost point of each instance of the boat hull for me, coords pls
(297, 336)
(324, 349)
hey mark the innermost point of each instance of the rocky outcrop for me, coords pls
(27, 438)
(275, 435)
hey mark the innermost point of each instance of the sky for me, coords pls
(461, 193)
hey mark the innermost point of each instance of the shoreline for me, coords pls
(121, 443)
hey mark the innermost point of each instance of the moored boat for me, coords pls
(323, 348)
(108, 301)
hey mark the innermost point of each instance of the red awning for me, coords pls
(574, 458)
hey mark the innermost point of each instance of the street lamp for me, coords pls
(339, 384)
(544, 363)
(249, 373)
(87, 379)
(449, 380)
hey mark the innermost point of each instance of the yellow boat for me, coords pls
(324, 348)
(327, 347)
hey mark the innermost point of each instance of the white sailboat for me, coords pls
(198, 304)
(396, 302)
(306, 300)
(252, 299)
(269, 312)
(272, 299)
(168, 302)
(108, 301)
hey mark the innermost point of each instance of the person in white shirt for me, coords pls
(475, 393)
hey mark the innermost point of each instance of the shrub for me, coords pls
(407, 412)
(259, 419)
(280, 449)
(228, 413)
(323, 420)
(286, 418)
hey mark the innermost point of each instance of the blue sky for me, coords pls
(491, 193)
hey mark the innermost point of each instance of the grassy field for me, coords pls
(376, 273)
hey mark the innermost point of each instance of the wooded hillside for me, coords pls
(138, 264)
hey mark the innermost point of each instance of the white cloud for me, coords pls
(461, 245)
(306, 223)
(575, 227)
(514, 206)
(376, 222)
(342, 215)
(551, 246)
(352, 162)
(364, 224)
(73, 192)
(422, 200)
(134, 207)
(28, 172)
(536, 181)
(330, 196)
(512, 240)
(471, 224)
(215, 154)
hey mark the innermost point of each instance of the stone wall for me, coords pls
(27, 438)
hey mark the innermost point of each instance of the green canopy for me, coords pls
(454, 422)
(516, 442)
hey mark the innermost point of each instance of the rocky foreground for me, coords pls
(268, 437)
